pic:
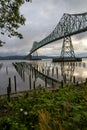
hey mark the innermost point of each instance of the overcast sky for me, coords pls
(41, 18)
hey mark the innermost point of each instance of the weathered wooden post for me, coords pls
(65, 78)
(45, 70)
(52, 71)
(32, 72)
(57, 72)
(7, 70)
(37, 67)
(77, 83)
(35, 74)
(9, 90)
(34, 84)
(48, 72)
(15, 83)
(20, 72)
(74, 80)
(45, 81)
(23, 75)
(86, 80)
(62, 83)
(30, 82)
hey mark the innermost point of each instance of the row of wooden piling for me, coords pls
(30, 85)
(34, 82)
(15, 86)
(47, 71)
(9, 85)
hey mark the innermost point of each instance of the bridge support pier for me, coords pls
(28, 57)
(67, 48)
(35, 55)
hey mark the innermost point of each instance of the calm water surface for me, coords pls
(22, 71)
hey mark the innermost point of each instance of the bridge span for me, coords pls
(69, 24)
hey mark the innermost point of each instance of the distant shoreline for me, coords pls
(24, 57)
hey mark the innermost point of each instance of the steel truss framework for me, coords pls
(32, 56)
(67, 48)
(69, 24)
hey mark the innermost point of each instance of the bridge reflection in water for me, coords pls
(67, 71)
(52, 74)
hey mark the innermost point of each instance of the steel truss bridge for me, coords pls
(69, 24)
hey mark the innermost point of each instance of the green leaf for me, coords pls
(77, 117)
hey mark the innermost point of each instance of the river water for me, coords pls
(26, 78)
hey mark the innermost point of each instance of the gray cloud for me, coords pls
(41, 18)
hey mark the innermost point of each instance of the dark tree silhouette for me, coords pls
(10, 18)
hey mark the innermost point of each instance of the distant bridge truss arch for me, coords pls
(69, 24)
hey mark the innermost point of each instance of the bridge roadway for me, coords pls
(69, 24)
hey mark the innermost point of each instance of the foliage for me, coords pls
(10, 17)
(41, 109)
(7, 124)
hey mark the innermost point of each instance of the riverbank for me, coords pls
(40, 109)
(50, 89)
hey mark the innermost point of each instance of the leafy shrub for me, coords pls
(45, 110)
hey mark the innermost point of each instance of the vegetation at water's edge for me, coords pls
(41, 109)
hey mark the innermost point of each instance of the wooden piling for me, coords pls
(35, 74)
(10, 84)
(64, 77)
(15, 83)
(32, 72)
(48, 72)
(74, 79)
(9, 90)
(57, 72)
(34, 84)
(86, 81)
(45, 70)
(62, 83)
(7, 70)
(45, 82)
(23, 75)
(30, 82)
(77, 83)
(52, 71)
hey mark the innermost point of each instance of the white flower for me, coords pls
(25, 113)
(21, 109)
